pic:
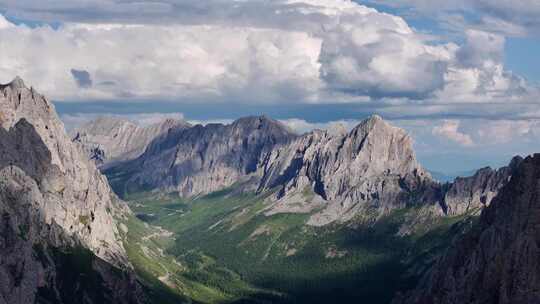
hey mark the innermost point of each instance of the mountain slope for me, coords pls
(327, 216)
(497, 261)
(59, 216)
(73, 188)
(466, 194)
(201, 159)
(109, 139)
(370, 170)
(366, 172)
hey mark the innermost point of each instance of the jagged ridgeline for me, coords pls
(255, 213)
(333, 175)
(497, 260)
(60, 240)
(108, 140)
(250, 212)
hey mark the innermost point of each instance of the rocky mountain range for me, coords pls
(366, 172)
(62, 238)
(475, 192)
(370, 170)
(108, 139)
(203, 159)
(56, 207)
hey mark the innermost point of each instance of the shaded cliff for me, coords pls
(56, 210)
(202, 159)
(497, 260)
(107, 140)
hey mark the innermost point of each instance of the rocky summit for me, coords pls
(475, 192)
(371, 169)
(53, 202)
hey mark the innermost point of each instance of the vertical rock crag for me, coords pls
(469, 194)
(52, 197)
(497, 260)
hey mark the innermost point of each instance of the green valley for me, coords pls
(222, 248)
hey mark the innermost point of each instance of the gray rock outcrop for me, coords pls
(51, 197)
(337, 175)
(497, 260)
(203, 159)
(469, 194)
(107, 140)
(370, 171)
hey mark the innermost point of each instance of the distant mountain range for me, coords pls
(107, 140)
(371, 168)
(251, 212)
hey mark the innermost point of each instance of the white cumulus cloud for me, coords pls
(301, 51)
(450, 130)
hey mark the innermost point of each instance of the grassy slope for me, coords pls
(226, 243)
(192, 278)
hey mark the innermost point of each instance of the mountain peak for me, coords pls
(375, 118)
(376, 126)
(255, 119)
(372, 165)
(15, 84)
(262, 123)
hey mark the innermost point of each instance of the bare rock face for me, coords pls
(370, 170)
(203, 159)
(109, 139)
(51, 196)
(35, 141)
(41, 263)
(336, 174)
(497, 261)
(472, 193)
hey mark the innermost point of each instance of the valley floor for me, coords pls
(221, 248)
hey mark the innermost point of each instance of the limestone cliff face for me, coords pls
(42, 263)
(51, 196)
(472, 193)
(366, 172)
(370, 170)
(77, 197)
(497, 261)
(107, 140)
(203, 159)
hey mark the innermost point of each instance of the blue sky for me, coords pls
(522, 57)
(520, 51)
(462, 76)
